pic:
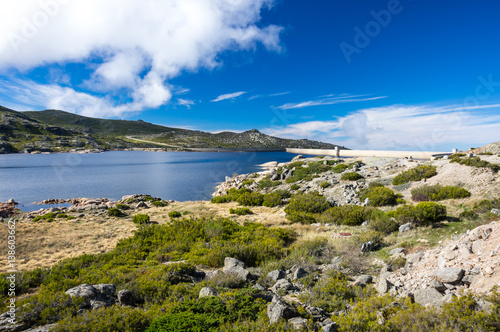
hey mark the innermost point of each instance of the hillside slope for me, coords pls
(54, 131)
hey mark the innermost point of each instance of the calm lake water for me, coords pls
(180, 176)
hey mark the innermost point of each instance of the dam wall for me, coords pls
(370, 153)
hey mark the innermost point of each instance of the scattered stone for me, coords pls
(384, 286)
(363, 280)
(448, 275)
(126, 298)
(332, 327)
(278, 309)
(276, 275)
(405, 228)
(207, 292)
(367, 246)
(397, 251)
(438, 285)
(299, 274)
(298, 323)
(283, 285)
(428, 296)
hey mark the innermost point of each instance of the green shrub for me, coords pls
(272, 200)
(404, 214)
(351, 176)
(174, 214)
(266, 183)
(248, 182)
(378, 195)
(351, 215)
(339, 168)
(221, 199)
(438, 193)
(295, 187)
(486, 153)
(311, 202)
(415, 174)
(115, 318)
(48, 217)
(375, 237)
(487, 205)
(141, 219)
(115, 212)
(301, 217)
(429, 212)
(476, 162)
(382, 223)
(241, 211)
(324, 184)
(159, 203)
(123, 206)
(468, 215)
(251, 199)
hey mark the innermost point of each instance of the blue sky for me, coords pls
(409, 74)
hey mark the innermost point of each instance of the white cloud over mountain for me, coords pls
(400, 127)
(132, 45)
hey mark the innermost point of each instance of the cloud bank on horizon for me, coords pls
(133, 47)
(403, 127)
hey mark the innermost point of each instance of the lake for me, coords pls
(180, 176)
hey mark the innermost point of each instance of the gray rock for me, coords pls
(396, 251)
(277, 310)
(232, 262)
(448, 275)
(298, 323)
(428, 296)
(45, 328)
(126, 298)
(468, 279)
(441, 262)
(85, 291)
(283, 285)
(438, 285)
(299, 273)
(106, 289)
(384, 286)
(207, 292)
(477, 247)
(276, 275)
(332, 327)
(495, 211)
(363, 280)
(405, 228)
(367, 247)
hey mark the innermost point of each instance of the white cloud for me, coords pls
(401, 127)
(137, 45)
(227, 96)
(329, 100)
(185, 102)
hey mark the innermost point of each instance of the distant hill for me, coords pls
(53, 131)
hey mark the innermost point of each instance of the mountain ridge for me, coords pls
(59, 131)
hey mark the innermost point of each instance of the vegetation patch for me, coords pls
(475, 162)
(438, 193)
(141, 219)
(415, 174)
(352, 176)
(115, 212)
(174, 214)
(241, 211)
(378, 195)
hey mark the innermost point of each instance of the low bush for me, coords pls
(266, 183)
(438, 193)
(324, 184)
(351, 176)
(48, 217)
(115, 212)
(159, 203)
(415, 174)
(378, 195)
(311, 202)
(351, 215)
(141, 219)
(339, 168)
(294, 187)
(174, 214)
(476, 162)
(429, 212)
(123, 206)
(404, 214)
(241, 211)
(220, 199)
(251, 199)
(272, 200)
(468, 215)
(382, 223)
(486, 205)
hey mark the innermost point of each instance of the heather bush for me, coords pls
(438, 193)
(303, 204)
(415, 174)
(351, 215)
(378, 195)
(174, 214)
(141, 219)
(115, 212)
(241, 211)
(351, 176)
(251, 199)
